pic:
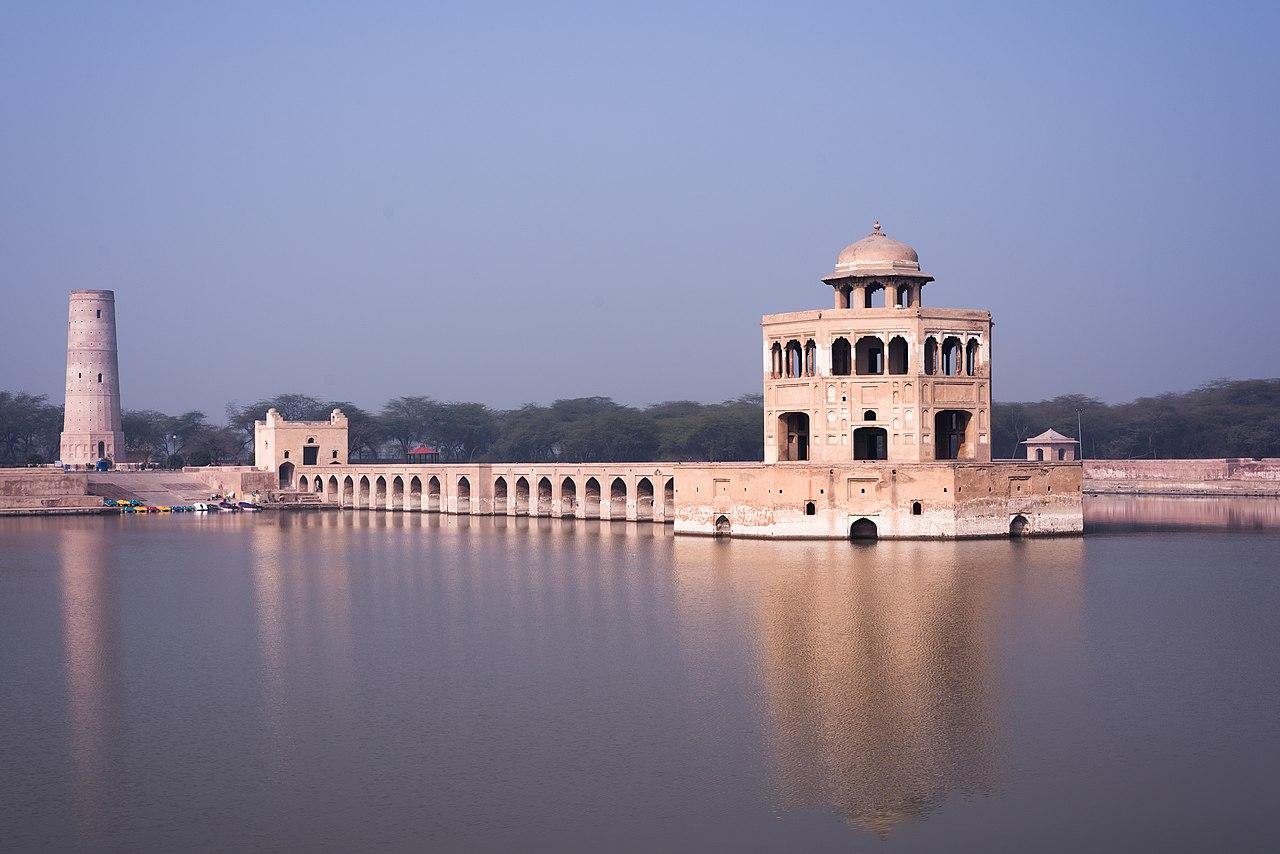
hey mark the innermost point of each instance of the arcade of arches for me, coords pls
(631, 492)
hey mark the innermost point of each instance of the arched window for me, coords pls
(99, 377)
(1062, 454)
(904, 296)
(951, 355)
(810, 358)
(841, 358)
(971, 356)
(897, 355)
(870, 443)
(775, 360)
(869, 415)
(795, 359)
(873, 296)
(869, 356)
(1039, 453)
(844, 297)
(931, 355)
(810, 509)
(916, 509)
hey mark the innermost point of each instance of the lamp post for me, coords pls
(173, 448)
(1080, 430)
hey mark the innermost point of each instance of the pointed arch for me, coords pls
(568, 497)
(644, 499)
(522, 496)
(618, 499)
(500, 495)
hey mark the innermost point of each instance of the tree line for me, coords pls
(1228, 418)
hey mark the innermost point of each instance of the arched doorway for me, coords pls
(332, 492)
(592, 494)
(793, 436)
(362, 496)
(950, 430)
(415, 493)
(397, 494)
(868, 356)
(952, 354)
(723, 526)
(899, 363)
(841, 357)
(304, 484)
(286, 475)
(1018, 526)
(348, 491)
(380, 493)
(433, 495)
(864, 530)
(669, 499)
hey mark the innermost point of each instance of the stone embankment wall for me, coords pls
(1237, 476)
(242, 480)
(45, 491)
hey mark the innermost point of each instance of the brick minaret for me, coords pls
(91, 417)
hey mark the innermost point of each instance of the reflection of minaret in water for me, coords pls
(89, 643)
(880, 685)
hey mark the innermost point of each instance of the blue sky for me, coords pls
(514, 203)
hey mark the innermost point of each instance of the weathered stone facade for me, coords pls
(281, 446)
(91, 428)
(876, 425)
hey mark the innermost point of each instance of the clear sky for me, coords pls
(514, 203)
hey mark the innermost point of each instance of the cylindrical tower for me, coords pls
(91, 428)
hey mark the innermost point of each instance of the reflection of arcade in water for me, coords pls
(879, 682)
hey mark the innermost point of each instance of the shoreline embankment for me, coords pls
(25, 492)
(1233, 476)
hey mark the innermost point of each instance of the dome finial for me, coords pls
(875, 226)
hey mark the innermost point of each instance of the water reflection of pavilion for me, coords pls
(879, 682)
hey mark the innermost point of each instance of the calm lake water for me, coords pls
(345, 682)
